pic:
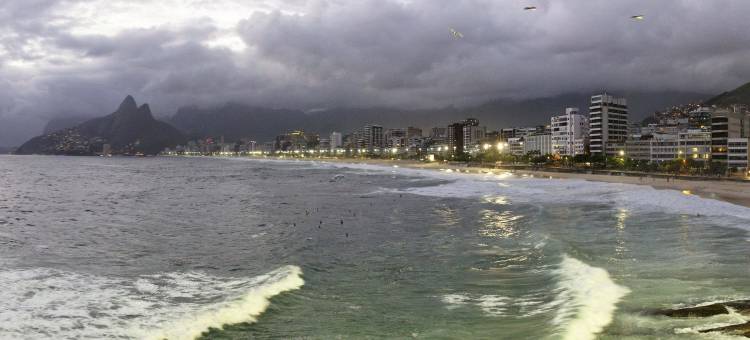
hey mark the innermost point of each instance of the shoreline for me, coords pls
(728, 191)
(731, 191)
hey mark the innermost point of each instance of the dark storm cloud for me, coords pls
(326, 53)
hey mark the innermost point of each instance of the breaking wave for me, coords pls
(53, 304)
(586, 299)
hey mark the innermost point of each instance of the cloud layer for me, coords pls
(83, 56)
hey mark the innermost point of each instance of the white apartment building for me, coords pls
(569, 133)
(538, 142)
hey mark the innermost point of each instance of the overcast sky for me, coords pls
(62, 57)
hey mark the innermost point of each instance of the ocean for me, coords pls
(231, 248)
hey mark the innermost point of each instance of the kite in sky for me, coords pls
(529, 8)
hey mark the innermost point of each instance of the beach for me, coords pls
(729, 191)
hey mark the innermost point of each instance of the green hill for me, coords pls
(740, 95)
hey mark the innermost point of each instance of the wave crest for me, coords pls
(244, 308)
(587, 299)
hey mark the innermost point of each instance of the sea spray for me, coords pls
(587, 299)
(245, 308)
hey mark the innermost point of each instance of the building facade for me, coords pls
(728, 124)
(337, 140)
(608, 123)
(694, 144)
(372, 136)
(569, 133)
(473, 135)
(538, 143)
(455, 138)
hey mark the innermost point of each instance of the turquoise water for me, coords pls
(173, 247)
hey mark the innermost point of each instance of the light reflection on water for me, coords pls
(499, 224)
(621, 243)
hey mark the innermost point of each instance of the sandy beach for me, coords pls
(728, 191)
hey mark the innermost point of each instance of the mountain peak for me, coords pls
(129, 130)
(128, 104)
(145, 109)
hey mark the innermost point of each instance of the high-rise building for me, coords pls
(473, 133)
(455, 136)
(337, 140)
(569, 132)
(729, 130)
(608, 123)
(372, 136)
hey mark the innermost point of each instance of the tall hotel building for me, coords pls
(608, 124)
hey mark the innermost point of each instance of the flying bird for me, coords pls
(637, 17)
(456, 34)
(529, 8)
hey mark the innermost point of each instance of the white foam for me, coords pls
(507, 187)
(587, 299)
(53, 304)
(492, 305)
(455, 300)
(244, 308)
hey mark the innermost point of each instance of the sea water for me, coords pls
(179, 248)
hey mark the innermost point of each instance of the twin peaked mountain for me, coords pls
(131, 130)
